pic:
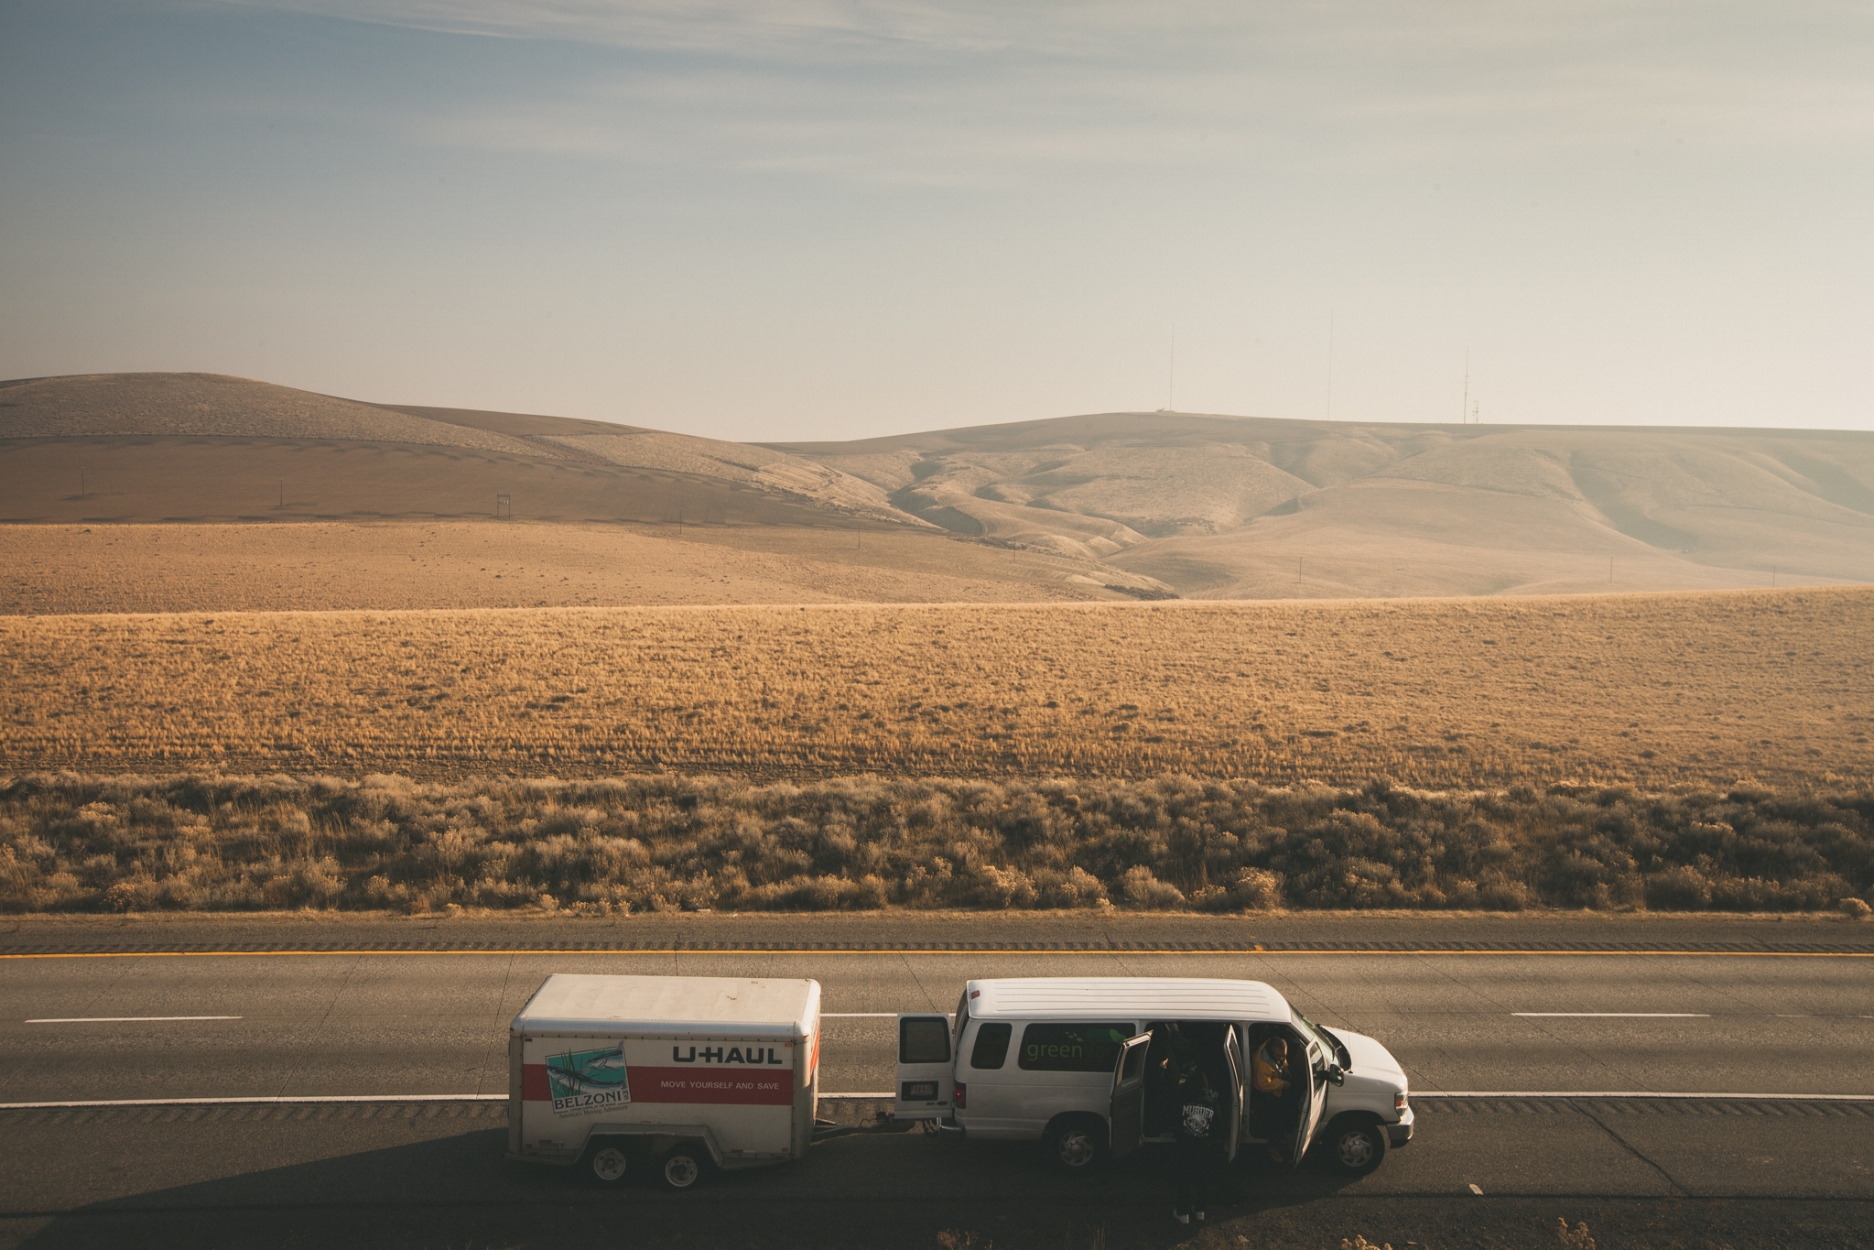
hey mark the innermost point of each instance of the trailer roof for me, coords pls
(718, 1006)
(1147, 998)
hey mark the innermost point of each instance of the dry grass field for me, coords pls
(1652, 691)
(64, 569)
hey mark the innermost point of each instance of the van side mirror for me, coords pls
(1336, 1074)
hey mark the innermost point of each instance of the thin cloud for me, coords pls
(985, 92)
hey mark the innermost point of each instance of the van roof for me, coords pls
(715, 1006)
(1146, 998)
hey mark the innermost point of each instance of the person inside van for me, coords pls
(1269, 1073)
(1271, 1077)
(1195, 1155)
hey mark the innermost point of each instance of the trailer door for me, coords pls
(1233, 1094)
(1128, 1107)
(926, 1073)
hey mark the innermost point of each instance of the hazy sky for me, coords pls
(823, 219)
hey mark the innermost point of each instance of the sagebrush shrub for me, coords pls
(199, 842)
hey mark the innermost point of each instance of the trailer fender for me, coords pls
(658, 1138)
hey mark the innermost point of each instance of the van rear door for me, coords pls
(1233, 1095)
(1127, 1119)
(926, 1072)
(1314, 1086)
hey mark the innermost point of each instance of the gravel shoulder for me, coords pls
(1103, 929)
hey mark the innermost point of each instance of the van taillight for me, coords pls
(960, 1100)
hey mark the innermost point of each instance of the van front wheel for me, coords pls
(1077, 1145)
(1355, 1145)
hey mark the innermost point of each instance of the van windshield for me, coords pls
(1314, 1033)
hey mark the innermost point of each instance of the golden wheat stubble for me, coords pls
(1778, 686)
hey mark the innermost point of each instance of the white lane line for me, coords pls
(299, 1100)
(354, 1098)
(232, 1102)
(1422, 1095)
(1615, 1015)
(122, 1019)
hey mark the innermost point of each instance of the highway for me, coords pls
(1537, 1076)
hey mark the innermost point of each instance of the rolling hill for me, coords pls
(1226, 507)
(1103, 505)
(202, 447)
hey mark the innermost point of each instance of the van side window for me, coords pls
(924, 1041)
(992, 1046)
(1072, 1047)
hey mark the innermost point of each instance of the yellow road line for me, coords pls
(945, 952)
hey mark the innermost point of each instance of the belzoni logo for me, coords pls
(588, 1079)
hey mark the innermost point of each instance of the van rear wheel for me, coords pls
(1076, 1145)
(682, 1168)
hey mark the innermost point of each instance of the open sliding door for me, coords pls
(1313, 1081)
(1128, 1106)
(1233, 1093)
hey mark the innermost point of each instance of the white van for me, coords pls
(1079, 1063)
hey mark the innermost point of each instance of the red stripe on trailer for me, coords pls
(746, 1086)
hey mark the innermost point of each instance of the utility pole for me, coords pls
(1464, 409)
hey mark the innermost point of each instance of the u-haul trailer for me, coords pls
(670, 1074)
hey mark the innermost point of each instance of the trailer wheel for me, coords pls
(682, 1168)
(608, 1164)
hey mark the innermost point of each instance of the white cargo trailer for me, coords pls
(672, 1074)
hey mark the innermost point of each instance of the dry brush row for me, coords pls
(84, 843)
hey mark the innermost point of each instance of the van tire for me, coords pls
(1076, 1143)
(681, 1168)
(1354, 1145)
(607, 1164)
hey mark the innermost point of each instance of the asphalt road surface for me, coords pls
(1537, 1078)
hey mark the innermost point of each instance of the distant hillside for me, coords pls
(203, 447)
(180, 405)
(1142, 504)
(1254, 507)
